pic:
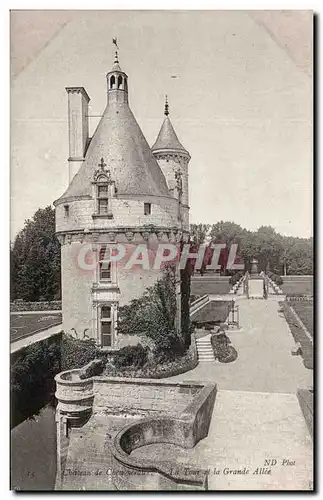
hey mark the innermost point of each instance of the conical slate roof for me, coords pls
(119, 140)
(167, 138)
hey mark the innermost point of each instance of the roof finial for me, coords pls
(166, 111)
(116, 60)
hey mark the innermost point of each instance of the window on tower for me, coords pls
(119, 81)
(147, 208)
(106, 326)
(103, 201)
(112, 81)
(104, 266)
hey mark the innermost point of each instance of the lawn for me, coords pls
(297, 285)
(213, 312)
(296, 329)
(26, 324)
(305, 312)
(210, 284)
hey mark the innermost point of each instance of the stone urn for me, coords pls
(254, 267)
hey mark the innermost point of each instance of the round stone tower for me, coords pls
(117, 195)
(173, 159)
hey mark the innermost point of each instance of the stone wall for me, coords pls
(170, 412)
(76, 292)
(119, 396)
(126, 213)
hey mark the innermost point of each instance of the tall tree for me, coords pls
(199, 233)
(36, 259)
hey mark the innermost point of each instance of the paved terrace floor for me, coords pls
(264, 362)
(256, 414)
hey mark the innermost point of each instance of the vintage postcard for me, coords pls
(161, 302)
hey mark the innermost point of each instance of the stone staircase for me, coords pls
(204, 350)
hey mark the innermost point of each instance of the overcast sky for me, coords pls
(241, 104)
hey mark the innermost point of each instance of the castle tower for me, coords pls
(173, 160)
(117, 194)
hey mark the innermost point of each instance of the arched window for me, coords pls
(119, 81)
(125, 84)
(112, 81)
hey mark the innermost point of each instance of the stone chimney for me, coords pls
(78, 127)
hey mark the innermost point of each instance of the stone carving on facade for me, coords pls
(130, 235)
(111, 236)
(60, 238)
(160, 235)
(68, 239)
(145, 235)
(102, 172)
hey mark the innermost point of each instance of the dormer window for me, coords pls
(103, 191)
(103, 198)
(66, 210)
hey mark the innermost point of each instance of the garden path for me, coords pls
(256, 416)
(264, 362)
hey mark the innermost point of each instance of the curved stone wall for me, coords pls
(150, 431)
(174, 412)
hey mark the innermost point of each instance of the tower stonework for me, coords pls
(173, 159)
(117, 194)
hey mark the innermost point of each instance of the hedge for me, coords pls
(275, 278)
(22, 306)
(32, 374)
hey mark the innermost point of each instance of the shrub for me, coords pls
(21, 305)
(76, 353)
(222, 349)
(92, 369)
(276, 278)
(131, 355)
(153, 316)
(236, 277)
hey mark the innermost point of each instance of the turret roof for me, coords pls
(167, 138)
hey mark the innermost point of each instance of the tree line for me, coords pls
(35, 256)
(283, 255)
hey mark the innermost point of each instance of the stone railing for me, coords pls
(184, 431)
(299, 298)
(276, 288)
(201, 301)
(171, 412)
(236, 286)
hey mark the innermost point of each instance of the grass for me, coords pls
(298, 285)
(305, 312)
(214, 312)
(298, 332)
(26, 324)
(210, 284)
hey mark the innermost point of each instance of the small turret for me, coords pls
(117, 82)
(173, 159)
